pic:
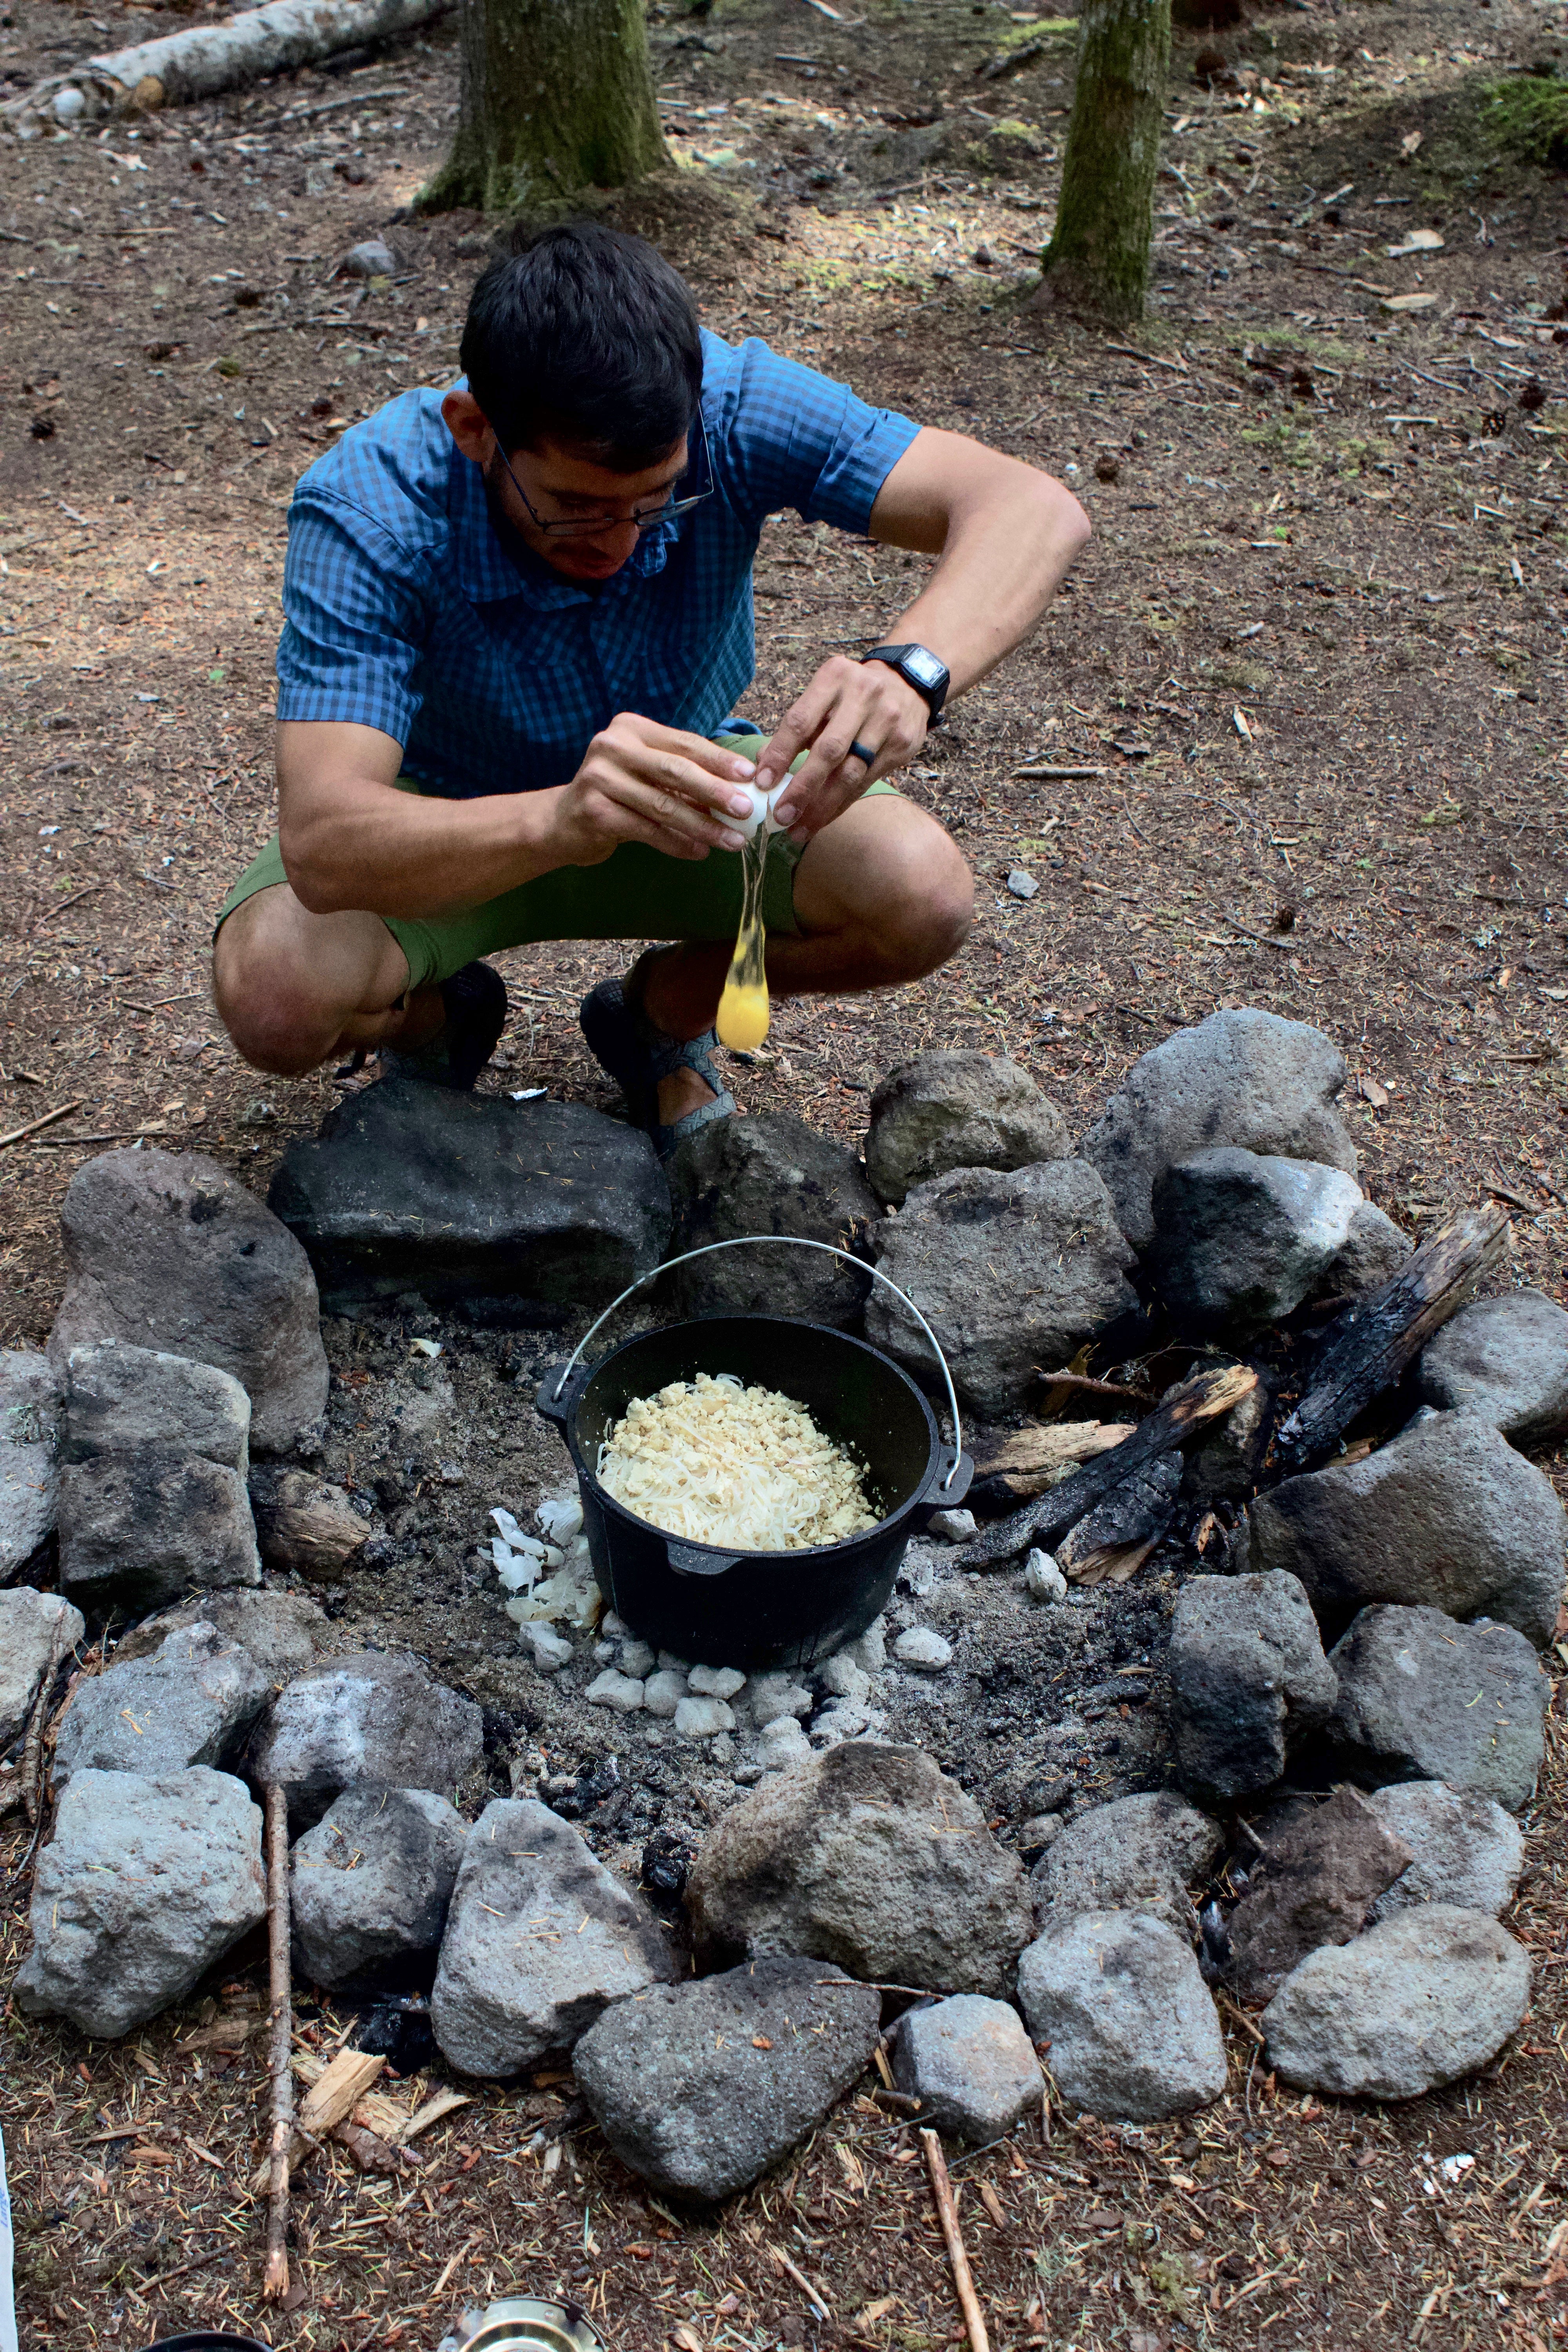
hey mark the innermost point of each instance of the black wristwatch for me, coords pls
(918, 667)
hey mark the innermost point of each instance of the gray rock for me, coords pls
(702, 1718)
(1022, 885)
(1242, 1238)
(1012, 1272)
(868, 1856)
(1464, 1850)
(1043, 1577)
(972, 2065)
(283, 1632)
(1417, 2001)
(414, 1187)
(1246, 1078)
(924, 1650)
(145, 1885)
(1372, 1253)
(623, 1692)
(368, 1716)
(153, 1487)
(1447, 1516)
(540, 1938)
(784, 1743)
(1505, 1359)
(191, 1702)
(951, 1526)
(663, 1692)
(773, 1696)
(165, 1250)
(764, 1175)
(29, 1622)
(1422, 1699)
(700, 2087)
(842, 1678)
(1224, 1463)
(1322, 1868)
(715, 1682)
(368, 1885)
(1133, 2030)
(1138, 1853)
(945, 1110)
(372, 257)
(1248, 1676)
(305, 1527)
(31, 1407)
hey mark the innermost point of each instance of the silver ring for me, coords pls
(859, 751)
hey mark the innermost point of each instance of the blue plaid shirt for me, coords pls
(402, 611)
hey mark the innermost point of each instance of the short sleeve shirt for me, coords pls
(404, 610)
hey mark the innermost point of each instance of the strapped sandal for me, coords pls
(476, 1007)
(638, 1054)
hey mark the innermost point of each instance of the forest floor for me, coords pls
(1313, 664)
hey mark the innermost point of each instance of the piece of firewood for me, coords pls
(1023, 1463)
(1189, 1408)
(958, 2258)
(275, 2285)
(1369, 1349)
(1112, 1541)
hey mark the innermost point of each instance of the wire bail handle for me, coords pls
(794, 1241)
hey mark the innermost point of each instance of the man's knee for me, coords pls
(921, 896)
(285, 982)
(272, 1025)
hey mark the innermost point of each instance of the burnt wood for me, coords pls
(1188, 1410)
(1375, 1342)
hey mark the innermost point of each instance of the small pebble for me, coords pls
(552, 1650)
(668, 1663)
(953, 1527)
(623, 1692)
(637, 1659)
(664, 1692)
(923, 1650)
(845, 1679)
(701, 1718)
(776, 1696)
(1044, 1577)
(372, 258)
(715, 1682)
(871, 1651)
(613, 1628)
(1022, 885)
(782, 1743)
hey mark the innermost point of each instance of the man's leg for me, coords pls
(293, 989)
(882, 895)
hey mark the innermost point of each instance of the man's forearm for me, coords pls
(384, 851)
(999, 569)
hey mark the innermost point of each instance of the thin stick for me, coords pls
(61, 904)
(792, 2270)
(1082, 1385)
(33, 1125)
(33, 1746)
(275, 2285)
(947, 2214)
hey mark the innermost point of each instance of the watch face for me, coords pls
(924, 666)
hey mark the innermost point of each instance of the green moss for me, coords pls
(1038, 28)
(1527, 118)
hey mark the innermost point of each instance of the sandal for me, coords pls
(636, 1055)
(476, 1007)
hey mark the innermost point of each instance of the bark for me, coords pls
(557, 98)
(274, 2282)
(1097, 258)
(206, 59)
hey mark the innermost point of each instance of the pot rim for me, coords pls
(936, 1448)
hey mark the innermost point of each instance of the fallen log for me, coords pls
(1188, 1410)
(1373, 1342)
(205, 60)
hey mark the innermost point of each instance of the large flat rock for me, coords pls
(1422, 1698)
(414, 1187)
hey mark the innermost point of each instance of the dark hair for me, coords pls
(588, 336)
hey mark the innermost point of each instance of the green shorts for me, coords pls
(636, 894)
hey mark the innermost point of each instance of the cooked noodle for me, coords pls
(719, 1463)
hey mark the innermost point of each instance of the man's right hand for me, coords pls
(641, 782)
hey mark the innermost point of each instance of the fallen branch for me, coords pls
(1188, 1410)
(275, 2285)
(33, 1125)
(33, 1746)
(947, 2214)
(1374, 1341)
(793, 2272)
(205, 60)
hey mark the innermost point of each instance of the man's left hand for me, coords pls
(847, 703)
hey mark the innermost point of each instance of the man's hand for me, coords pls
(848, 702)
(641, 782)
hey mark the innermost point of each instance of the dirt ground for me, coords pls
(1314, 658)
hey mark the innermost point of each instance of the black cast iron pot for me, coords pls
(758, 1609)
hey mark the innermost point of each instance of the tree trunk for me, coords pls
(557, 96)
(1097, 258)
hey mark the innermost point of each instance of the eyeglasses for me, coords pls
(589, 525)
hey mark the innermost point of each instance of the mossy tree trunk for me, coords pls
(1097, 258)
(557, 98)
